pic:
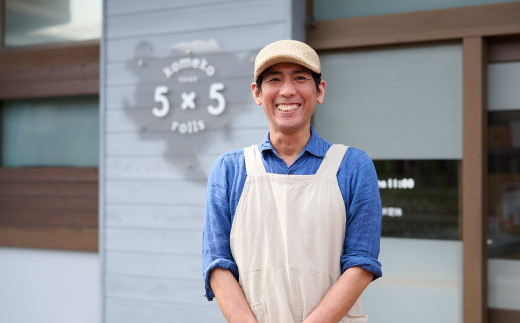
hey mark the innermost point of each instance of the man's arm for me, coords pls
(230, 297)
(341, 296)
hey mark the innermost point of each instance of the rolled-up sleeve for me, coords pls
(364, 214)
(216, 251)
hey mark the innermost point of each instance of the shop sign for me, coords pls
(187, 99)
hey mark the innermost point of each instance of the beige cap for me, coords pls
(287, 51)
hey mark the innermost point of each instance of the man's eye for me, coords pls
(273, 80)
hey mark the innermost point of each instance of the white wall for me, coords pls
(49, 286)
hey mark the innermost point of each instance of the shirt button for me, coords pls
(289, 172)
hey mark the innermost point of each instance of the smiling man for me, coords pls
(292, 224)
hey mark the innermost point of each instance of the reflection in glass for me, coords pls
(419, 198)
(30, 22)
(50, 132)
(504, 184)
(333, 9)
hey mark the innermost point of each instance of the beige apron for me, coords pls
(287, 239)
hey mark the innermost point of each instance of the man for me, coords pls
(292, 224)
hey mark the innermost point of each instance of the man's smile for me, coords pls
(287, 107)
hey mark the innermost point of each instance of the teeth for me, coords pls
(287, 108)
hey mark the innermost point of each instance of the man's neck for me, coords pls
(289, 145)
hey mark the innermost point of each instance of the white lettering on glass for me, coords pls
(392, 211)
(394, 183)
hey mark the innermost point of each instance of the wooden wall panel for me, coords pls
(82, 54)
(431, 25)
(44, 72)
(50, 237)
(53, 208)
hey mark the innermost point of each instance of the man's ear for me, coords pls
(321, 95)
(256, 94)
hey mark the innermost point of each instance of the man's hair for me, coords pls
(315, 76)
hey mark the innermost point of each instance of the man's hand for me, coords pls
(230, 297)
(341, 296)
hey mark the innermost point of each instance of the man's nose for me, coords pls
(287, 89)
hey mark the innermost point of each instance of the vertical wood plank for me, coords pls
(1, 24)
(473, 181)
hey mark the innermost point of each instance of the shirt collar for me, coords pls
(316, 146)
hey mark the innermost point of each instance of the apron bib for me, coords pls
(287, 239)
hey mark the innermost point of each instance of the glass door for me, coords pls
(503, 192)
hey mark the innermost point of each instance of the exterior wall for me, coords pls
(49, 286)
(153, 178)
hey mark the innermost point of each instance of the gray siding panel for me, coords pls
(161, 192)
(154, 179)
(180, 291)
(126, 97)
(182, 242)
(154, 216)
(170, 144)
(157, 168)
(129, 120)
(119, 7)
(129, 73)
(160, 265)
(210, 17)
(142, 311)
(249, 37)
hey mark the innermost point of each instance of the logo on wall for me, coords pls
(184, 101)
(187, 100)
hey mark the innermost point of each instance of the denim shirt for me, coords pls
(357, 181)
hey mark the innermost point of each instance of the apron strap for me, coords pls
(254, 163)
(332, 161)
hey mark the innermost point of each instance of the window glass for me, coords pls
(504, 184)
(403, 106)
(333, 9)
(419, 198)
(50, 132)
(503, 194)
(401, 103)
(29, 22)
(504, 160)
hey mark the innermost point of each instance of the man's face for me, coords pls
(288, 97)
